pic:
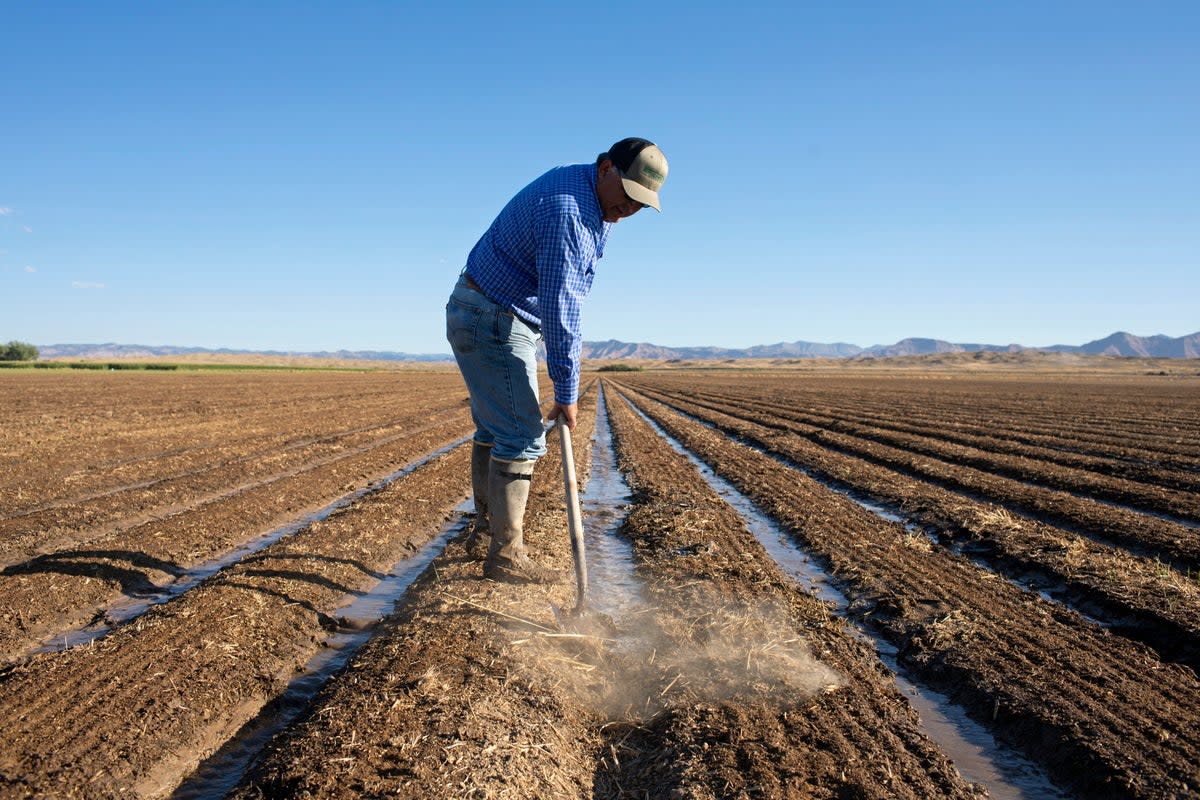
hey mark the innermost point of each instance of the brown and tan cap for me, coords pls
(643, 169)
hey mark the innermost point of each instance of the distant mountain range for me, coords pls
(1118, 344)
(113, 350)
(1126, 344)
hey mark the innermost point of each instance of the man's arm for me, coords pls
(565, 254)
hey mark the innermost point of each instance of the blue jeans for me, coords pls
(496, 352)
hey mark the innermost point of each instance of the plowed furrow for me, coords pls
(455, 696)
(139, 429)
(940, 443)
(1142, 597)
(108, 515)
(1039, 473)
(138, 709)
(1169, 491)
(81, 475)
(64, 589)
(716, 589)
(831, 514)
(455, 700)
(1035, 673)
(130, 504)
(983, 409)
(1131, 466)
(1142, 533)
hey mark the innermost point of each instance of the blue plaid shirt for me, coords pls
(537, 258)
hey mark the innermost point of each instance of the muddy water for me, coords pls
(129, 608)
(220, 772)
(978, 756)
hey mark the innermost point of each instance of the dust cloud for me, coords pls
(647, 660)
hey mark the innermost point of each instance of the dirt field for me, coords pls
(1027, 545)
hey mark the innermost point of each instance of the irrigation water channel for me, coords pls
(131, 607)
(220, 773)
(1060, 521)
(1008, 775)
(615, 590)
(1050, 588)
(614, 587)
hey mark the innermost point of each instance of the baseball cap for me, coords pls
(643, 169)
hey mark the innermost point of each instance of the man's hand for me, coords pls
(567, 412)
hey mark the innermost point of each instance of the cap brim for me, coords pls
(640, 193)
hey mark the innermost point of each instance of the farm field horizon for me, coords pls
(958, 363)
(1019, 536)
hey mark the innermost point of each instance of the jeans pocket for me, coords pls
(462, 326)
(512, 331)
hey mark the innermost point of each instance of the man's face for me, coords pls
(615, 204)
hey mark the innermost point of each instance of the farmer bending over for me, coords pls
(525, 280)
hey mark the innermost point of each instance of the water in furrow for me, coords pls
(131, 607)
(1007, 774)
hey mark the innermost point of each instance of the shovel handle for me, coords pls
(574, 517)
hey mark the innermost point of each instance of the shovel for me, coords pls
(574, 517)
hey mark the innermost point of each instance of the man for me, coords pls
(525, 280)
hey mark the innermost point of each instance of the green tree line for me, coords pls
(18, 351)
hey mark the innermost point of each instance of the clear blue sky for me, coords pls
(302, 176)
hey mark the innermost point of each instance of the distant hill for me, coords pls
(1126, 344)
(112, 350)
(924, 347)
(1118, 344)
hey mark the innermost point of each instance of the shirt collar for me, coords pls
(592, 180)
